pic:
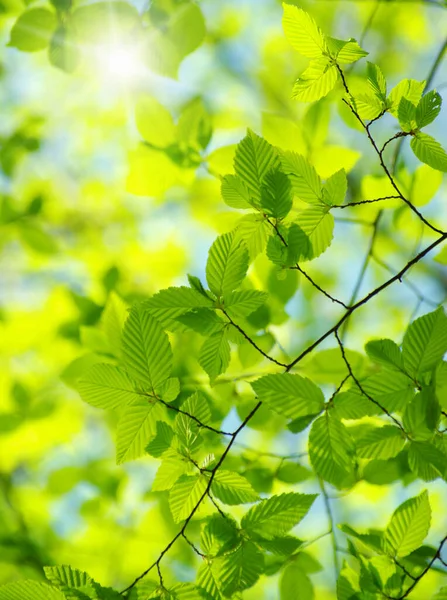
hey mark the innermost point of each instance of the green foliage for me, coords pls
(241, 386)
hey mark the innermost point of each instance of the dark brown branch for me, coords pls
(360, 202)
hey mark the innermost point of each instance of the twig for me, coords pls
(360, 202)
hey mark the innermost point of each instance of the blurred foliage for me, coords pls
(131, 136)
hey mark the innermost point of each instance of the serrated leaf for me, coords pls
(147, 352)
(172, 302)
(113, 318)
(302, 32)
(202, 320)
(316, 81)
(407, 88)
(232, 488)
(277, 515)
(295, 584)
(253, 159)
(107, 386)
(215, 355)
(305, 180)
(346, 51)
(336, 187)
(235, 193)
(318, 225)
(421, 415)
(239, 570)
(171, 468)
(162, 440)
(385, 352)
(227, 264)
(408, 526)
(429, 151)
(32, 30)
(208, 579)
(427, 461)
(241, 304)
(29, 590)
(185, 495)
(406, 113)
(276, 194)
(187, 428)
(253, 230)
(376, 81)
(291, 396)
(425, 342)
(330, 450)
(67, 575)
(428, 108)
(380, 442)
(136, 426)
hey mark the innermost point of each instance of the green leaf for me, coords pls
(147, 352)
(172, 302)
(215, 355)
(185, 495)
(407, 88)
(386, 353)
(295, 584)
(113, 318)
(253, 230)
(276, 194)
(62, 52)
(253, 159)
(291, 396)
(408, 526)
(162, 440)
(441, 594)
(380, 442)
(425, 342)
(33, 30)
(316, 81)
(137, 424)
(232, 488)
(330, 450)
(202, 320)
(29, 590)
(346, 51)
(172, 467)
(186, 428)
(426, 182)
(305, 180)
(154, 122)
(169, 389)
(227, 264)
(241, 569)
(302, 32)
(107, 386)
(406, 113)
(428, 108)
(74, 583)
(427, 461)
(318, 225)
(235, 193)
(208, 579)
(429, 151)
(421, 415)
(241, 304)
(277, 515)
(376, 81)
(335, 188)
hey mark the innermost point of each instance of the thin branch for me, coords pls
(360, 202)
(196, 550)
(359, 385)
(248, 338)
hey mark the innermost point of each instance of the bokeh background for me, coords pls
(87, 207)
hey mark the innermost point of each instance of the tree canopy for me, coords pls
(224, 225)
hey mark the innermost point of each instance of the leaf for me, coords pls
(208, 579)
(113, 318)
(154, 122)
(407, 88)
(316, 81)
(386, 353)
(168, 304)
(295, 584)
(33, 29)
(185, 495)
(345, 51)
(425, 342)
(171, 468)
(318, 225)
(427, 461)
(421, 415)
(277, 515)
(253, 159)
(305, 180)
(429, 151)
(147, 352)
(276, 194)
(227, 264)
(202, 320)
(380, 442)
(253, 230)
(408, 526)
(235, 193)
(137, 424)
(291, 396)
(302, 32)
(28, 589)
(162, 440)
(215, 355)
(232, 488)
(241, 569)
(376, 81)
(240, 304)
(406, 113)
(426, 182)
(428, 108)
(107, 386)
(62, 52)
(336, 187)
(330, 450)
(186, 428)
